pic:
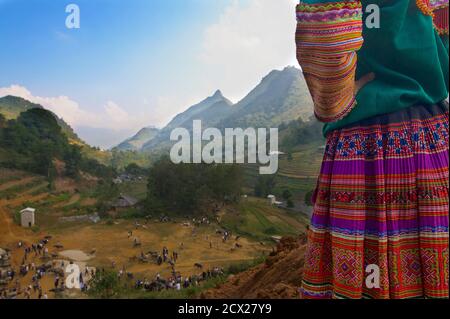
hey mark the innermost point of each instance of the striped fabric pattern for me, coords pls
(328, 36)
(382, 199)
(438, 9)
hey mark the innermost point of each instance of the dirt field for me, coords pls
(111, 242)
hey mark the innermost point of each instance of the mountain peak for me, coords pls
(215, 98)
(217, 94)
(291, 68)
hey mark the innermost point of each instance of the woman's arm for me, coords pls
(329, 33)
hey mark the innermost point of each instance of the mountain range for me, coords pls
(281, 97)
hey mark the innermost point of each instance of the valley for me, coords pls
(254, 220)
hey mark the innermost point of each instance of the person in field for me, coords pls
(378, 75)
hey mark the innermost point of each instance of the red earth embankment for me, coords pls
(278, 278)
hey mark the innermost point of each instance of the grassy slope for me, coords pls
(298, 175)
(255, 218)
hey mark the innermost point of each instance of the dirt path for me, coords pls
(5, 226)
(74, 199)
(35, 188)
(296, 176)
(19, 200)
(14, 183)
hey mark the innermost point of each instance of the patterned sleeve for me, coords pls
(438, 9)
(328, 36)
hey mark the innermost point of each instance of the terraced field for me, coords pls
(297, 174)
(305, 163)
(254, 218)
(19, 190)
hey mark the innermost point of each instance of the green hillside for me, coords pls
(11, 107)
(36, 142)
(255, 218)
(136, 142)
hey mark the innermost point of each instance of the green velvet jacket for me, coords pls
(408, 55)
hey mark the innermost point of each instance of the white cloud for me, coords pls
(115, 113)
(112, 116)
(250, 39)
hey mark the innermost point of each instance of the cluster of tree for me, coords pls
(105, 285)
(287, 196)
(121, 159)
(191, 188)
(265, 185)
(300, 132)
(309, 198)
(135, 170)
(35, 139)
(2, 122)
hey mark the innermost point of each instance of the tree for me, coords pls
(308, 198)
(135, 170)
(289, 156)
(72, 158)
(105, 285)
(265, 185)
(35, 139)
(287, 195)
(191, 188)
(2, 121)
(290, 203)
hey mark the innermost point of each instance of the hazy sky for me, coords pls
(137, 63)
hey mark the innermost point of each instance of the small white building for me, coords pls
(272, 199)
(27, 218)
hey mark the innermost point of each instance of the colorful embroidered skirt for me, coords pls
(382, 205)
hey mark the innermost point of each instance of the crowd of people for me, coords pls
(176, 281)
(35, 261)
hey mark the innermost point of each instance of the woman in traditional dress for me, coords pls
(382, 199)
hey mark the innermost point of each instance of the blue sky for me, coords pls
(139, 62)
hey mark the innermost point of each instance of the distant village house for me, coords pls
(125, 201)
(125, 178)
(273, 201)
(27, 217)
